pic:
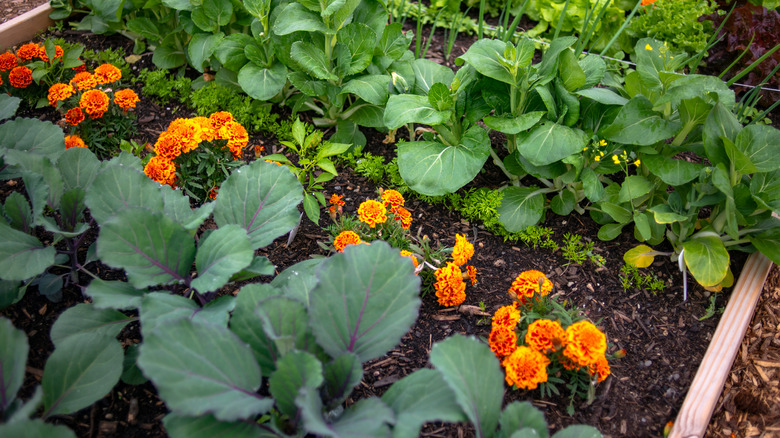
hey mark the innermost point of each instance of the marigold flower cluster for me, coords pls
(461, 254)
(372, 212)
(450, 287)
(21, 76)
(529, 283)
(346, 238)
(579, 348)
(336, 206)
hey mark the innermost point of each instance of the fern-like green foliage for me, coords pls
(677, 23)
(165, 88)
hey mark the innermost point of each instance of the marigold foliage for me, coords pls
(462, 251)
(502, 341)
(58, 92)
(94, 103)
(544, 334)
(526, 368)
(20, 77)
(450, 288)
(7, 61)
(126, 99)
(585, 343)
(161, 170)
(372, 213)
(58, 52)
(107, 73)
(346, 238)
(529, 283)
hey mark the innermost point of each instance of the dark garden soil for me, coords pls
(662, 335)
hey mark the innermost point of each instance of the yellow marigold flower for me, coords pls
(529, 283)
(58, 92)
(525, 368)
(472, 272)
(392, 199)
(462, 251)
(94, 103)
(220, 119)
(208, 133)
(74, 116)
(450, 288)
(506, 316)
(7, 61)
(126, 99)
(236, 136)
(186, 133)
(585, 343)
(403, 215)
(20, 77)
(107, 73)
(372, 212)
(167, 146)
(161, 170)
(544, 334)
(84, 81)
(410, 254)
(600, 369)
(74, 141)
(346, 238)
(502, 341)
(28, 51)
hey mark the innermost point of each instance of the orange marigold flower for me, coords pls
(58, 52)
(84, 81)
(28, 51)
(74, 116)
(403, 215)
(20, 77)
(346, 238)
(187, 133)
(58, 92)
(600, 369)
(585, 343)
(502, 341)
(507, 316)
(526, 368)
(336, 200)
(410, 254)
(544, 334)
(528, 283)
(107, 73)
(220, 119)
(462, 251)
(126, 99)
(472, 272)
(94, 103)
(79, 68)
(372, 212)
(74, 141)
(208, 133)
(213, 192)
(236, 136)
(392, 199)
(450, 288)
(161, 170)
(167, 146)
(7, 61)
(647, 2)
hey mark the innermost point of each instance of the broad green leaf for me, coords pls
(179, 5)
(720, 123)
(591, 184)
(312, 60)
(633, 187)
(298, 280)
(122, 187)
(218, 11)
(519, 415)
(311, 207)
(11, 292)
(78, 168)
(262, 198)
(664, 214)
(177, 207)
(360, 40)
(768, 242)
(520, 208)
(367, 298)
(550, 58)
(595, 69)
(284, 321)
(13, 358)
(168, 57)
(367, 418)
(149, 246)
(393, 43)
(371, 88)
(608, 232)
(230, 50)
(509, 124)
(755, 149)
(306, 84)
(563, 203)
(201, 47)
(203, 369)
(570, 72)
(410, 108)
(672, 171)
(765, 189)
(260, 265)
(9, 105)
(707, 259)
(18, 212)
(484, 56)
(118, 295)
(427, 73)
(22, 256)
(144, 27)
(638, 124)
(295, 370)
(550, 142)
(640, 256)
(160, 308)
(694, 111)
(86, 318)
(603, 95)
(434, 169)
(617, 212)
(207, 426)
(295, 17)
(82, 369)
(439, 97)
(262, 83)
(421, 397)
(693, 85)
(131, 374)
(35, 428)
(221, 254)
(365, 114)
(342, 375)
(578, 431)
(249, 327)
(32, 136)
(473, 373)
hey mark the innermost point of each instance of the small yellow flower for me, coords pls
(602, 142)
(637, 162)
(615, 159)
(584, 149)
(597, 158)
(648, 47)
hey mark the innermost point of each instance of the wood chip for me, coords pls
(446, 317)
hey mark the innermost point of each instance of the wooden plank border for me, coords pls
(707, 385)
(24, 27)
